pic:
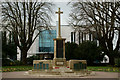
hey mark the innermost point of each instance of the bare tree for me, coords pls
(104, 18)
(23, 19)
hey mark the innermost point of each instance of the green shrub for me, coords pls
(70, 50)
(18, 63)
(87, 50)
(7, 62)
(117, 62)
(31, 58)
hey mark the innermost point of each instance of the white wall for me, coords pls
(66, 32)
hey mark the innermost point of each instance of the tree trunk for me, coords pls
(111, 60)
(110, 53)
(24, 56)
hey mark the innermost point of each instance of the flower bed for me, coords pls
(16, 68)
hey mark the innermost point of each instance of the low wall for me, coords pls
(42, 64)
(77, 64)
(49, 64)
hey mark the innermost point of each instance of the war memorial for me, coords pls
(59, 66)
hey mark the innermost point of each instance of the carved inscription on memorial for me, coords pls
(60, 63)
(59, 49)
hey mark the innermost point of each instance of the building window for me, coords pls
(79, 38)
(46, 43)
(74, 37)
(90, 37)
(71, 36)
(82, 37)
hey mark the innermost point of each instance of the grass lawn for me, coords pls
(90, 68)
(104, 68)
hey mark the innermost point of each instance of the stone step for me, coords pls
(62, 70)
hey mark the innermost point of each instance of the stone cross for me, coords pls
(59, 31)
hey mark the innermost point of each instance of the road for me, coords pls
(98, 76)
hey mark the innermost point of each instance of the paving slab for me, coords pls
(21, 74)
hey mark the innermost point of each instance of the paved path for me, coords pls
(21, 74)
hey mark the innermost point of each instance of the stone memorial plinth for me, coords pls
(59, 65)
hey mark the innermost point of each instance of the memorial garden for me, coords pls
(69, 58)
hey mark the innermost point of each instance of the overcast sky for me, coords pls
(66, 9)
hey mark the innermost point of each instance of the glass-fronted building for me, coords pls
(46, 43)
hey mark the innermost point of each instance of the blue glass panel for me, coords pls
(47, 66)
(43, 66)
(37, 66)
(76, 66)
(52, 44)
(34, 66)
(46, 43)
(81, 67)
(51, 49)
